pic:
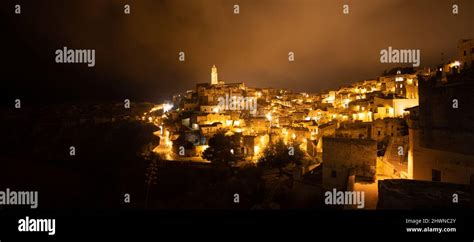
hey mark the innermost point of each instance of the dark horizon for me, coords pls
(137, 54)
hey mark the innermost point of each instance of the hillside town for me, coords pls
(407, 127)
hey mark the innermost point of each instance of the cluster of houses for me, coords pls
(373, 127)
(370, 109)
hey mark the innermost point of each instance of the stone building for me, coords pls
(388, 127)
(466, 53)
(441, 130)
(342, 155)
(411, 194)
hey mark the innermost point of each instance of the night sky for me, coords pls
(137, 54)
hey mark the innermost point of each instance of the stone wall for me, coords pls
(413, 194)
(454, 167)
(340, 155)
(443, 127)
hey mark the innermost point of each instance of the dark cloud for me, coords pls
(137, 55)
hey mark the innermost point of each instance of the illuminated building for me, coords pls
(214, 79)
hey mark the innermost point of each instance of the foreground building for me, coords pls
(441, 130)
(411, 194)
(343, 157)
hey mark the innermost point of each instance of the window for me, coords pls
(435, 175)
(465, 52)
(378, 133)
(333, 174)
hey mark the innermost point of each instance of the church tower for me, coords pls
(214, 79)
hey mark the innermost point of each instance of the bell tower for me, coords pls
(214, 79)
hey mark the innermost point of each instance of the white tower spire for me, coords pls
(214, 79)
